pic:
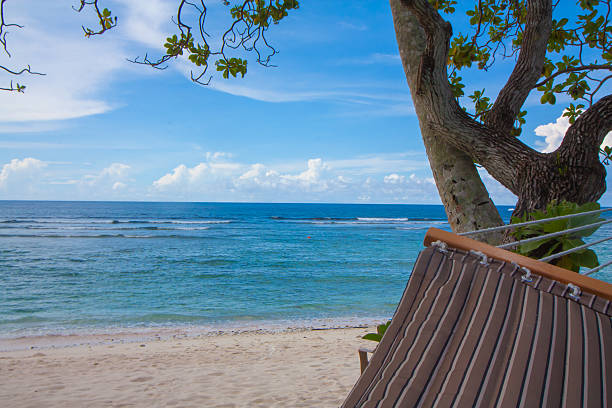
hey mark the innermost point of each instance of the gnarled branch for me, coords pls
(584, 137)
(527, 70)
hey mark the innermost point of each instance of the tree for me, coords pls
(552, 56)
(573, 172)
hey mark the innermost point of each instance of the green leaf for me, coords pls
(382, 328)
(588, 258)
(380, 331)
(372, 336)
(567, 262)
(565, 242)
(532, 246)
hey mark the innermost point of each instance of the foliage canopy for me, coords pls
(579, 51)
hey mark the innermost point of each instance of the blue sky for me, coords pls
(333, 122)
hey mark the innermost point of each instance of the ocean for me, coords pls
(87, 267)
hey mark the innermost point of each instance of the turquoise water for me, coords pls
(70, 266)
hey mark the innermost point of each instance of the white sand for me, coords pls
(307, 368)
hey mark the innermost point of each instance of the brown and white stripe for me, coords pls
(467, 334)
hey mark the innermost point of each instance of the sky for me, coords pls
(331, 122)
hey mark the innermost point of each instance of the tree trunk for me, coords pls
(465, 198)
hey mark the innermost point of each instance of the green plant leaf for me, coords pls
(382, 328)
(588, 258)
(567, 262)
(532, 246)
(372, 336)
(548, 246)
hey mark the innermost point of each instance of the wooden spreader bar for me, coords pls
(549, 271)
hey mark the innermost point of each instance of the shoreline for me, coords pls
(120, 335)
(298, 368)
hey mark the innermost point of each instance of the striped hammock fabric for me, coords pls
(471, 331)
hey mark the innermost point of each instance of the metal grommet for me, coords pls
(484, 260)
(527, 278)
(442, 246)
(575, 292)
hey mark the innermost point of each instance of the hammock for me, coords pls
(481, 326)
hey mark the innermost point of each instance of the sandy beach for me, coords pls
(302, 368)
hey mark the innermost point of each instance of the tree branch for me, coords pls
(582, 140)
(251, 20)
(601, 82)
(3, 25)
(573, 172)
(574, 69)
(440, 112)
(432, 67)
(527, 70)
(23, 70)
(104, 18)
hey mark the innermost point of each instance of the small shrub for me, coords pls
(380, 330)
(548, 246)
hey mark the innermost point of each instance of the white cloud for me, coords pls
(78, 70)
(412, 179)
(213, 174)
(31, 178)
(310, 176)
(412, 189)
(394, 179)
(259, 176)
(376, 102)
(115, 170)
(217, 156)
(19, 172)
(381, 163)
(113, 177)
(266, 94)
(316, 181)
(119, 186)
(553, 134)
(607, 140)
(181, 175)
(148, 21)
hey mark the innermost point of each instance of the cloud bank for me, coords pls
(222, 178)
(316, 181)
